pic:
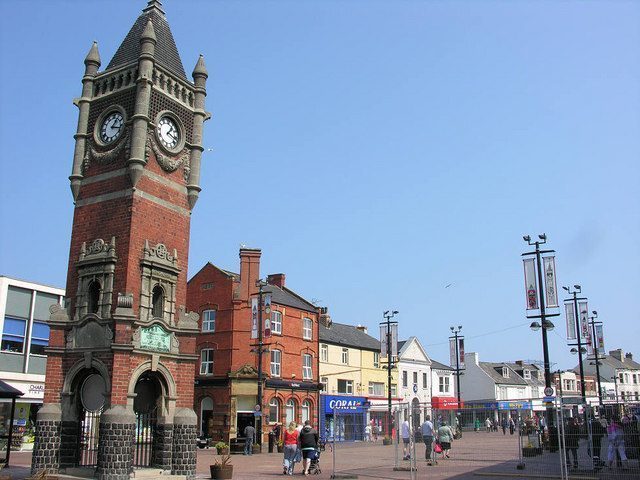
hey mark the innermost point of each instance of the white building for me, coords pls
(414, 377)
(444, 394)
(626, 372)
(24, 311)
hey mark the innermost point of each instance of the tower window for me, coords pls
(157, 301)
(93, 294)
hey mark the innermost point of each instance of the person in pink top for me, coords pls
(615, 435)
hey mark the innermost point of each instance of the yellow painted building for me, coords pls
(354, 376)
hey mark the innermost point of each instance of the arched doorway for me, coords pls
(92, 400)
(149, 390)
(415, 414)
(206, 417)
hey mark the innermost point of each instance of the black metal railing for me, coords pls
(89, 437)
(144, 441)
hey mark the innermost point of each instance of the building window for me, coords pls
(93, 297)
(206, 361)
(274, 410)
(324, 352)
(276, 359)
(621, 378)
(345, 356)
(415, 378)
(527, 374)
(424, 380)
(635, 378)
(345, 386)
(307, 372)
(13, 335)
(376, 389)
(39, 338)
(405, 378)
(157, 302)
(276, 322)
(443, 384)
(305, 411)
(535, 392)
(209, 321)
(394, 389)
(505, 372)
(325, 383)
(307, 328)
(290, 412)
(376, 359)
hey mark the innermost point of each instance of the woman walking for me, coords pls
(290, 442)
(308, 442)
(445, 437)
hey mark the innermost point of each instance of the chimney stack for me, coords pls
(520, 362)
(249, 271)
(617, 354)
(362, 328)
(629, 356)
(471, 357)
(324, 317)
(276, 279)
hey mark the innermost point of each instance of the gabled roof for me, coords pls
(404, 345)
(166, 52)
(287, 297)
(349, 336)
(490, 369)
(435, 365)
(519, 369)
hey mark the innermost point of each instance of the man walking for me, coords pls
(405, 433)
(249, 436)
(427, 437)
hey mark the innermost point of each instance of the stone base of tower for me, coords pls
(46, 450)
(115, 449)
(185, 432)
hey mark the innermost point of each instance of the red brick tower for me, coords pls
(119, 381)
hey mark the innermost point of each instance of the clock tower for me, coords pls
(121, 356)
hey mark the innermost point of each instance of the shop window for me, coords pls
(206, 361)
(276, 322)
(157, 301)
(93, 297)
(276, 359)
(307, 372)
(274, 411)
(305, 411)
(209, 321)
(324, 352)
(307, 328)
(13, 335)
(39, 338)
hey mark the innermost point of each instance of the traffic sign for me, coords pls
(549, 392)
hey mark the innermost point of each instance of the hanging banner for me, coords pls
(383, 340)
(599, 339)
(394, 340)
(267, 315)
(530, 283)
(589, 341)
(583, 309)
(254, 317)
(461, 351)
(550, 288)
(571, 321)
(452, 352)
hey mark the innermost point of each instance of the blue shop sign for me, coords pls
(514, 406)
(345, 404)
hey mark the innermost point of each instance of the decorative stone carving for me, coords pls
(57, 314)
(96, 263)
(108, 156)
(246, 371)
(159, 268)
(169, 164)
(91, 334)
(187, 320)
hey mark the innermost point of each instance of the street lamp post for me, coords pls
(260, 349)
(456, 336)
(388, 315)
(615, 384)
(580, 350)
(595, 346)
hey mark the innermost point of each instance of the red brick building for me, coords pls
(121, 354)
(227, 372)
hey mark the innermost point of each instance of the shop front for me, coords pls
(26, 410)
(343, 418)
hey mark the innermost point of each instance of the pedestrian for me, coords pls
(427, 438)
(308, 443)
(512, 425)
(615, 435)
(375, 431)
(571, 439)
(445, 437)
(487, 424)
(405, 433)
(367, 433)
(505, 425)
(598, 430)
(290, 442)
(249, 436)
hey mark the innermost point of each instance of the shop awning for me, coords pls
(7, 391)
(446, 403)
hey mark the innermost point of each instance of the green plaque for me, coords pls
(155, 338)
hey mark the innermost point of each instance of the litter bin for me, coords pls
(272, 441)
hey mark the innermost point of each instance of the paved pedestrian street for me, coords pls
(477, 455)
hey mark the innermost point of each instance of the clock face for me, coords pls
(112, 127)
(168, 133)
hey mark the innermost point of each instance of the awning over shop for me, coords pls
(291, 385)
(445, 403)
(9, 393)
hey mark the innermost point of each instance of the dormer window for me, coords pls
(93, 297)
(527, 374)
(157, 301)
(505, 372)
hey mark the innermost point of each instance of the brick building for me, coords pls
(121, 354)
(226, 391)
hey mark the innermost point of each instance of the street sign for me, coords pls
(549, 392)
(549, 400)
(257, 408)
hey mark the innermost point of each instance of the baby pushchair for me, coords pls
(314, 468)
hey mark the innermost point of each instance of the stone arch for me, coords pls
(72, 375)
(168, 384)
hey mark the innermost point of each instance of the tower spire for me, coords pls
(154, 4)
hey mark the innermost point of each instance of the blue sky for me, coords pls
(376, 151)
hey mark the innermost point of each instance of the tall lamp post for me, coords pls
(545, 324)
(260, 348)
(455, 336)
(388, 324)
(595, 342)
(580, 350)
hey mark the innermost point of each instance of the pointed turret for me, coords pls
(200, 69)
(167, 55)
(149, 33)
(93, 57)
(200, 75)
